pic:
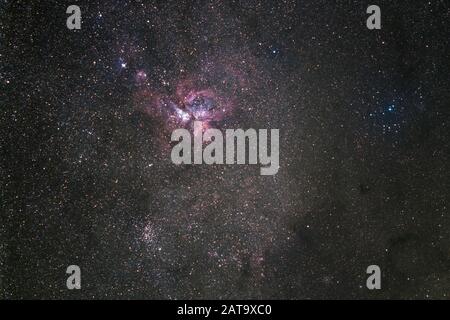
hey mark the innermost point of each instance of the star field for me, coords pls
(87, 179)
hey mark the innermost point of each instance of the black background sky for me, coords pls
(86, 178)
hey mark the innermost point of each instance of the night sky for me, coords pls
(86, 175)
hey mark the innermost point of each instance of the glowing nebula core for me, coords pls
(208, 95)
